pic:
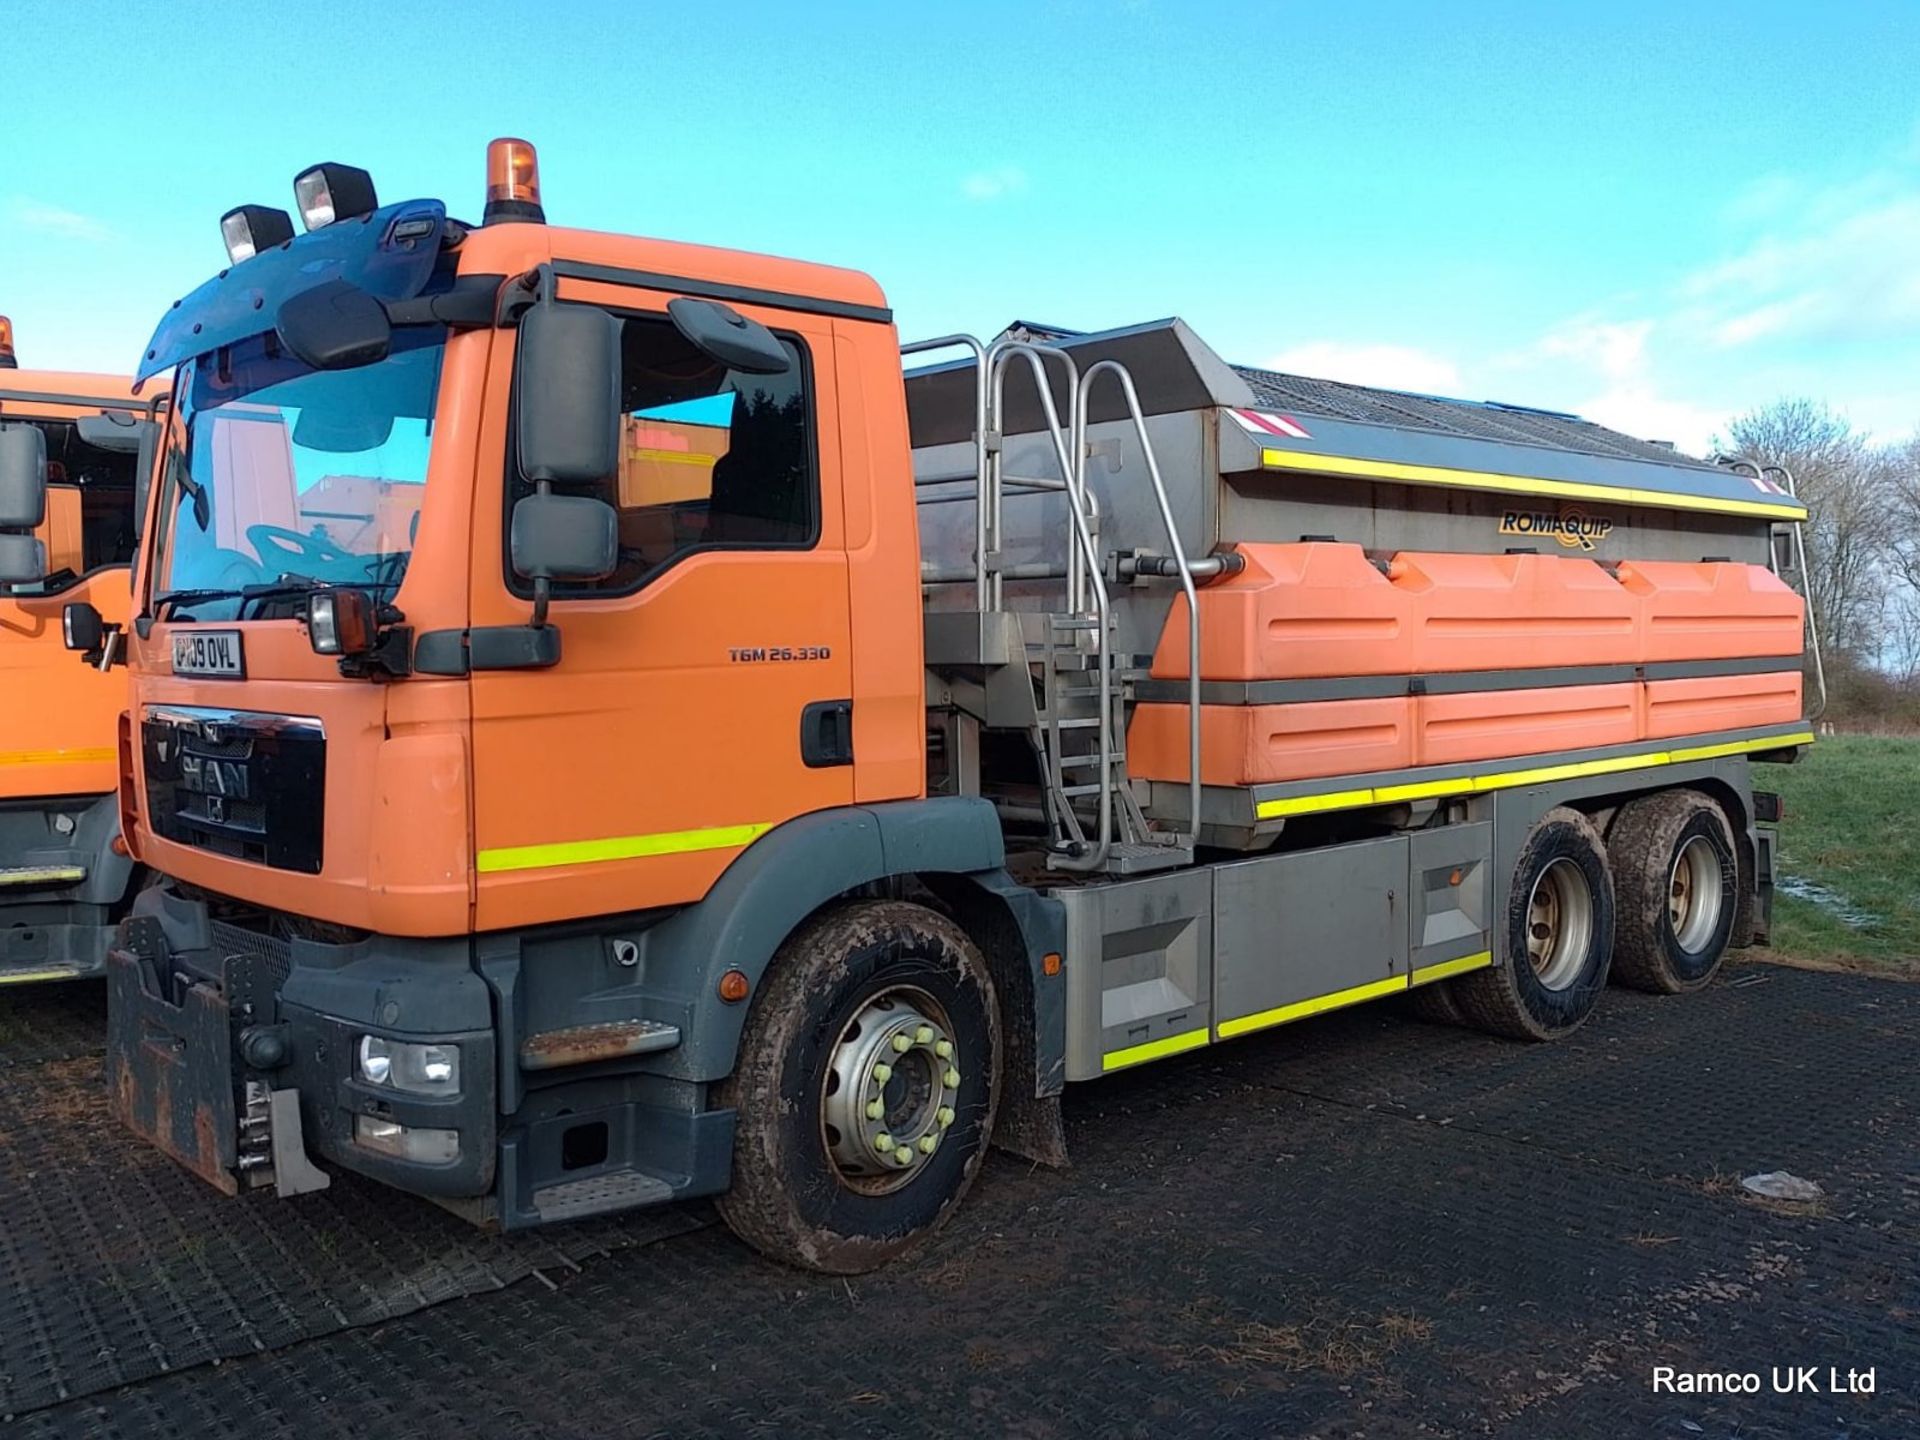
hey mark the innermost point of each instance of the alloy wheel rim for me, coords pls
(890, 1093)
(1559, 924)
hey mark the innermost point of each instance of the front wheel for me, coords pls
(865, 1088)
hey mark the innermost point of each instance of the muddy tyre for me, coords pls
(1557, 940)
(864, 1090)
(1677, 883)
(1436, 1004)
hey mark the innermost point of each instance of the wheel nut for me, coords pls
(875, 1109)
(952, 1077)
(945, 1117)
(927, 1144)
(923, 1036)
(883, 1073)
(944, 1049)
(902, 1043)
(903, 1155)
(883, 1142)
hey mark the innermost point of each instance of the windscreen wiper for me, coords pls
(245, 594)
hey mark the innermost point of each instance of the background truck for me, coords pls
(715, 761)
(64, 874)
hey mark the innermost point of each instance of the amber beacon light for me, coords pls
(7, 362)
(513, 182)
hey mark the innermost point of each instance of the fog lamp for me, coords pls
(418, 1069)
(249, 229)
(331, 192)
(426, 1144)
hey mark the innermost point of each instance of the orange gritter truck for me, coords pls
(64, 873)
(612, 731)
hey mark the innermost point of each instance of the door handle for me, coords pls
(826, 734)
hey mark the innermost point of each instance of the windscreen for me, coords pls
(285, 476)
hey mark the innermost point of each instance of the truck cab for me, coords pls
(82, 443)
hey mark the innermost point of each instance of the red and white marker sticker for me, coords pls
(1259, 422)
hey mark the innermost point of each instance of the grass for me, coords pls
(1852, 808)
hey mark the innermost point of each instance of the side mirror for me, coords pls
(81, 627)
(23, 504)
(335, 326)
(23, 477)
(23, 559)
(564, 537)
(567, 395)
(722, 333)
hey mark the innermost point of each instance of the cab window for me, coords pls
(710, 458)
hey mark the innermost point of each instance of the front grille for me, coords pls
(239, 783)
(270, 951)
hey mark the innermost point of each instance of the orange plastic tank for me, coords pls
(1713, 610)
(1721, 702)
(1489, 724)
(1306, 610)
(1515, 612)
(1262, 744)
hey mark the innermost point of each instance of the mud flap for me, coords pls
(170, 1069)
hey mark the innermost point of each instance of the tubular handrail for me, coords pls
(1038, 355)
(1761, 470)
(1178, 550)
(1004, 353)
(1806, 579)
(946, 342)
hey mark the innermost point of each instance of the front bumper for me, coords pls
(202, 1036)
(235, 1053)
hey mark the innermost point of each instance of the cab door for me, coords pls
(704, 691)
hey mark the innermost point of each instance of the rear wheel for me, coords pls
(865, 1088)
(1678, 885)
(1558, 938)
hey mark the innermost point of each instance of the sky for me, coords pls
(1654, 215)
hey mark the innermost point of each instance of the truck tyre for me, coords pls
(1558, 937)
(865, 1088)
(1436, 1004)
(1678, 887)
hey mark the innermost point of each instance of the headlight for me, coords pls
(425, 1144)
(417, 1069)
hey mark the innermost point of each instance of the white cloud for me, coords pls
(1635, 408)
(994, 184)
(1390, 367)
(1616, 348)
(1846, 266)
(29, 214)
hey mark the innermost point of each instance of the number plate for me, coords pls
(213, 653)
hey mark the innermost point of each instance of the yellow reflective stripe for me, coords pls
(673, 457)
(1427, 974)
(1517, 484)
(55, 757)
(22, 977)
(1540, 775)
(1300, 1009)
(1714, 752)
(1154, 1049)
(1426, 790)
(618, 847)
(1306, 804)
(43, 875)
(1573, 770)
